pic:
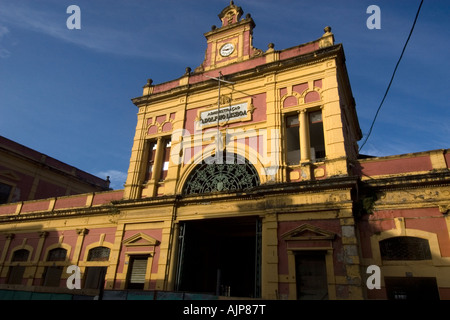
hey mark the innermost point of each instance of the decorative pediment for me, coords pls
(308, 232)
(141, 240)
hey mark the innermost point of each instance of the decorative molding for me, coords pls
(9, 236)
(307, 232)
(140, 240)
(43, 234)
(444, 209)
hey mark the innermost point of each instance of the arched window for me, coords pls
(57, 254)
(405, 248)
(16, 272)
(234, 173)
(52, 274)
(94, 277)
(98, 254)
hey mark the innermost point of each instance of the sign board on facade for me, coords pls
(237, 112)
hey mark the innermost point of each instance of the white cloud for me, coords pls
(97, 31)
(3, 30)
(4, 53)
(116, 177)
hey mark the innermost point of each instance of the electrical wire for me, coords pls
(392, 77)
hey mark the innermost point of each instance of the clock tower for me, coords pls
(230, 43)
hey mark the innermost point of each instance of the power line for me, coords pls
(392, 77)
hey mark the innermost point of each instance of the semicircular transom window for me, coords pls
(234, 173)
(57, 254)
(405, 248)
(98, 254)
(20, 255)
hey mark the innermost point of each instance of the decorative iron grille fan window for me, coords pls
(58, 254)
(405, 248)
(98, 254)
(232, 174)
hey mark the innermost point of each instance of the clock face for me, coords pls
(226, 49)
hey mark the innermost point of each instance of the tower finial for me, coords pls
(230, 14)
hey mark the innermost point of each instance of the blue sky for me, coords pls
(67, 93)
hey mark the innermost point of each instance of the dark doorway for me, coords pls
(95, 277)
(16, 275)
(411, 288)
(52, 277)
(220, 256)
(311, 276)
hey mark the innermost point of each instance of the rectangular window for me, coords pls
(292, 140)
(136, 272)
(316, 135)
(5, 192)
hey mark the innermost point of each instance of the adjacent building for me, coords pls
(245, 181)
(26, 174)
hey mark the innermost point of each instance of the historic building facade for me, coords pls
(245, 181)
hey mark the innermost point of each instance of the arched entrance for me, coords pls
(220, 256)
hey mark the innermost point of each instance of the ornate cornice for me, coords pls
(314, 57)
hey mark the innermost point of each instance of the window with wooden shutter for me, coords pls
(136, 272)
